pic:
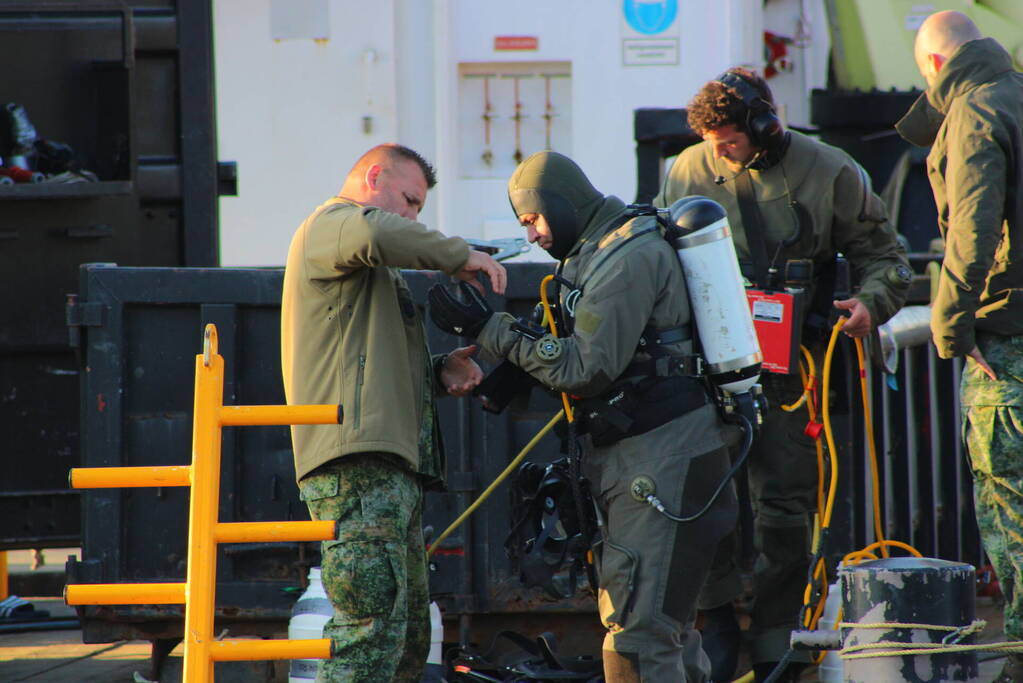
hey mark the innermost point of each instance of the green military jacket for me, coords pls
(351, 334)
(847, 216)
(972, 115)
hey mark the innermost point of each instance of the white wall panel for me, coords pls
(296, 113)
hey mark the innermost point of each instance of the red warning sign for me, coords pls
(504, 43)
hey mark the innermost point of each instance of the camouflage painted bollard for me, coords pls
(914, 592)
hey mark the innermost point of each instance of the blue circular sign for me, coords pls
(650, 16)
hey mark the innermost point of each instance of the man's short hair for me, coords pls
(716, 105)
(403, 152)
(394, 153)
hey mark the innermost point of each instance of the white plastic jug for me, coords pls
(308, 616)
(434, 672)
(831, 670)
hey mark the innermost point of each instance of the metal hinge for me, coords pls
(78, 315)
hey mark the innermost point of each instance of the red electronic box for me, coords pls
(778, 319)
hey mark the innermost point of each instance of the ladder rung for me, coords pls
(255, 649)
(256, 532)
(280, 415)
(125, 594)
(127, 477)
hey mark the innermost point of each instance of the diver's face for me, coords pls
(537, 230)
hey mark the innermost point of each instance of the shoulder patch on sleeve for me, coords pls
(586, 321)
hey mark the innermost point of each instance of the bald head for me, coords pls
(939, 37)
(391, 177)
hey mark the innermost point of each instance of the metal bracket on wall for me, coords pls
(78, 315)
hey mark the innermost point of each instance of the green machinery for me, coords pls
(872, 40)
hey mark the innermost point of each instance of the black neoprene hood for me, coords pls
(551, 184)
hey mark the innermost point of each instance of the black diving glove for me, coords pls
(455, 317)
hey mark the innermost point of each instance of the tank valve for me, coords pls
(641, 488)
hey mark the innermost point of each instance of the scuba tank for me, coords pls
(702, 239)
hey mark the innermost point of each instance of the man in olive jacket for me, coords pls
(351, 335)
(812, 201)
(972, 116)
(627, 284)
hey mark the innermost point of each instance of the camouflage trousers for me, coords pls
(375, 571)
(992, 413)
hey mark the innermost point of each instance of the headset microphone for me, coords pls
(721, 180)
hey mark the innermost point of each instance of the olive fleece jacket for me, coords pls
(352, 335)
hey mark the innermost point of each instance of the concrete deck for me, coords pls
(59, 656)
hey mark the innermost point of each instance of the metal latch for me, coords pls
(78, 315)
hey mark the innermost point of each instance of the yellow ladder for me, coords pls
(197, 593)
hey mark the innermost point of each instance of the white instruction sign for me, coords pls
(649, 52)
(768, 311)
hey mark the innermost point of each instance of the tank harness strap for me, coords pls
(624, 238)
(653, 339)
(753, 227)
(567, 304)
(648, 393)
(689, 365)
(661, 362)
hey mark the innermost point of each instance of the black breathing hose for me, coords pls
(656, 503)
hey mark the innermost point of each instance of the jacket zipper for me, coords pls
(359, 378)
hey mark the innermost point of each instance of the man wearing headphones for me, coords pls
(788, 197)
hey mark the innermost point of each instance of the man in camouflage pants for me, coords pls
(972, 116)
(351, 335)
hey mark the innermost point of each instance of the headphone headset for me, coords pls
(762, 124)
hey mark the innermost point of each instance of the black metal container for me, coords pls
(144, 329)
(128, 86)
(136, 410)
